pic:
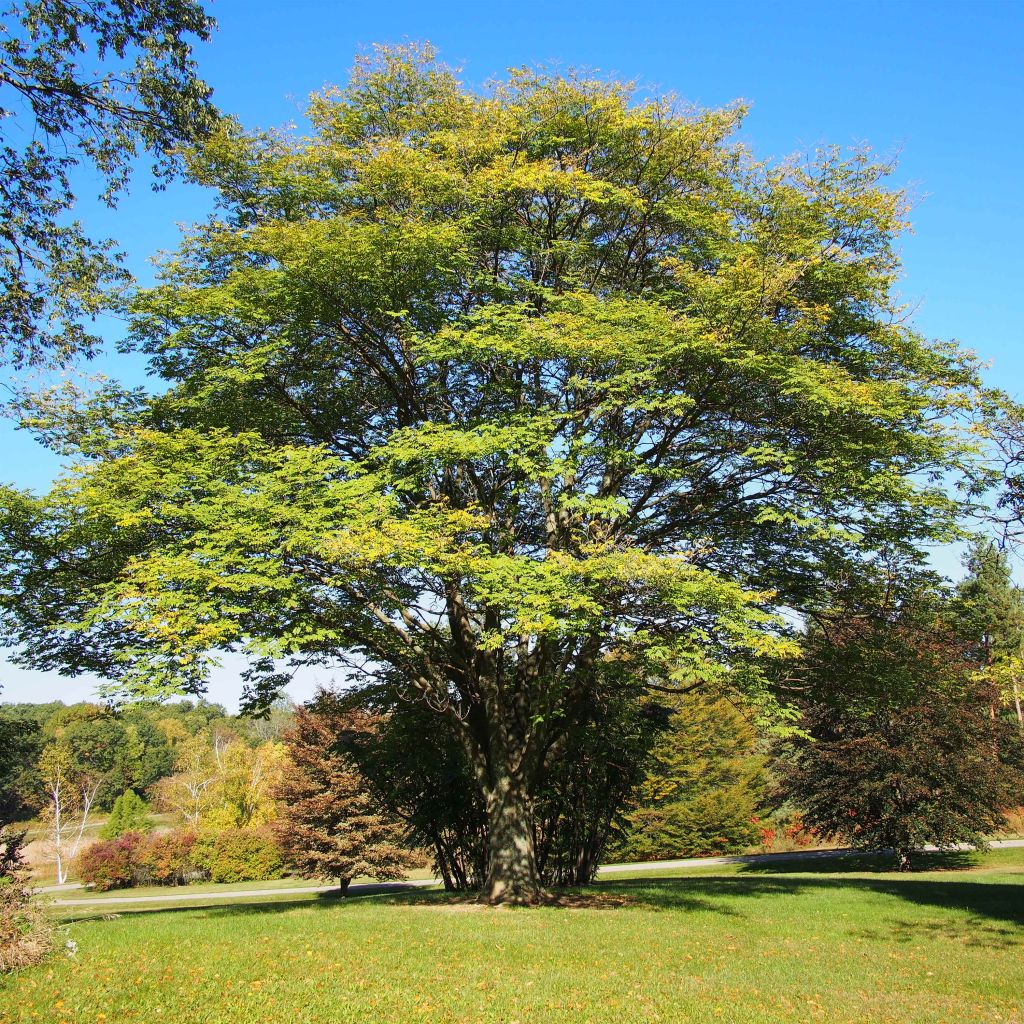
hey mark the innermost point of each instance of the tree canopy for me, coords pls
(57, 113)
(513, 395)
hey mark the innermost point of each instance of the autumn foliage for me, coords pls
(329, 823)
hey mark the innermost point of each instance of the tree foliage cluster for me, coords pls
(130, 813)
(908, 742)
(129, 748)
(85, 88)
(706, 784)
(550, 410)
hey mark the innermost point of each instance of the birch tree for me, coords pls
(71, 789)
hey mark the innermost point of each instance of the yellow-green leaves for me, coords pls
(479, 387)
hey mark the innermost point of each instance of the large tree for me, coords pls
(497, 392)
(90, 84)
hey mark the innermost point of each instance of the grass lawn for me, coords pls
(834, 943)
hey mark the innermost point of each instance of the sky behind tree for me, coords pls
(940, 85)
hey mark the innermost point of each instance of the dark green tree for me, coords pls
(21, 741)
(424, 776)
(587, 776)
(703, 786)
(143, 757)
(130, 813)
(902, 748)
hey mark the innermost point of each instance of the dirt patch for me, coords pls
(469, 903)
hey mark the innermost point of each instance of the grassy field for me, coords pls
(719, 944)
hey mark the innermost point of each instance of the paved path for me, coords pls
(769, 858)
(175, 895)
(372, 888)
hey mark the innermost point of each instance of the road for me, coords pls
(177, 896)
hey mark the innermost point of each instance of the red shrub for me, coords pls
(165, 858)
(110, 864)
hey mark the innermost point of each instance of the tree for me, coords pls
(990, 616)
(95, 741)
(702, 788)
(19, 748)
(330, 824)
(145, 755)
(220, 782)
(58, 113)
(485, 391)
(597, 760)
(189, 791)
(71, 788)
(244, 783)
(902, 750)
(421, 773)
(130, 813)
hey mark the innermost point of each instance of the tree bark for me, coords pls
(512, 875)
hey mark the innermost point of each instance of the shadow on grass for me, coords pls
(832, 864)
(988, 914)
(976, 932)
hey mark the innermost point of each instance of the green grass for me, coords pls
(833, 943)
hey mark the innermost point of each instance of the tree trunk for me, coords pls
(343, 884)
(512, 875)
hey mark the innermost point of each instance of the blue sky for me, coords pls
(941, 84)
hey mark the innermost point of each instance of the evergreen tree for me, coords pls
(703, 787)
(989, 613)
(130, 813)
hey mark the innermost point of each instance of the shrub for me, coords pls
(26, 936)
(239, 855)
(166, 858)
(110, 863)
(707, 825)
(130, 813)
